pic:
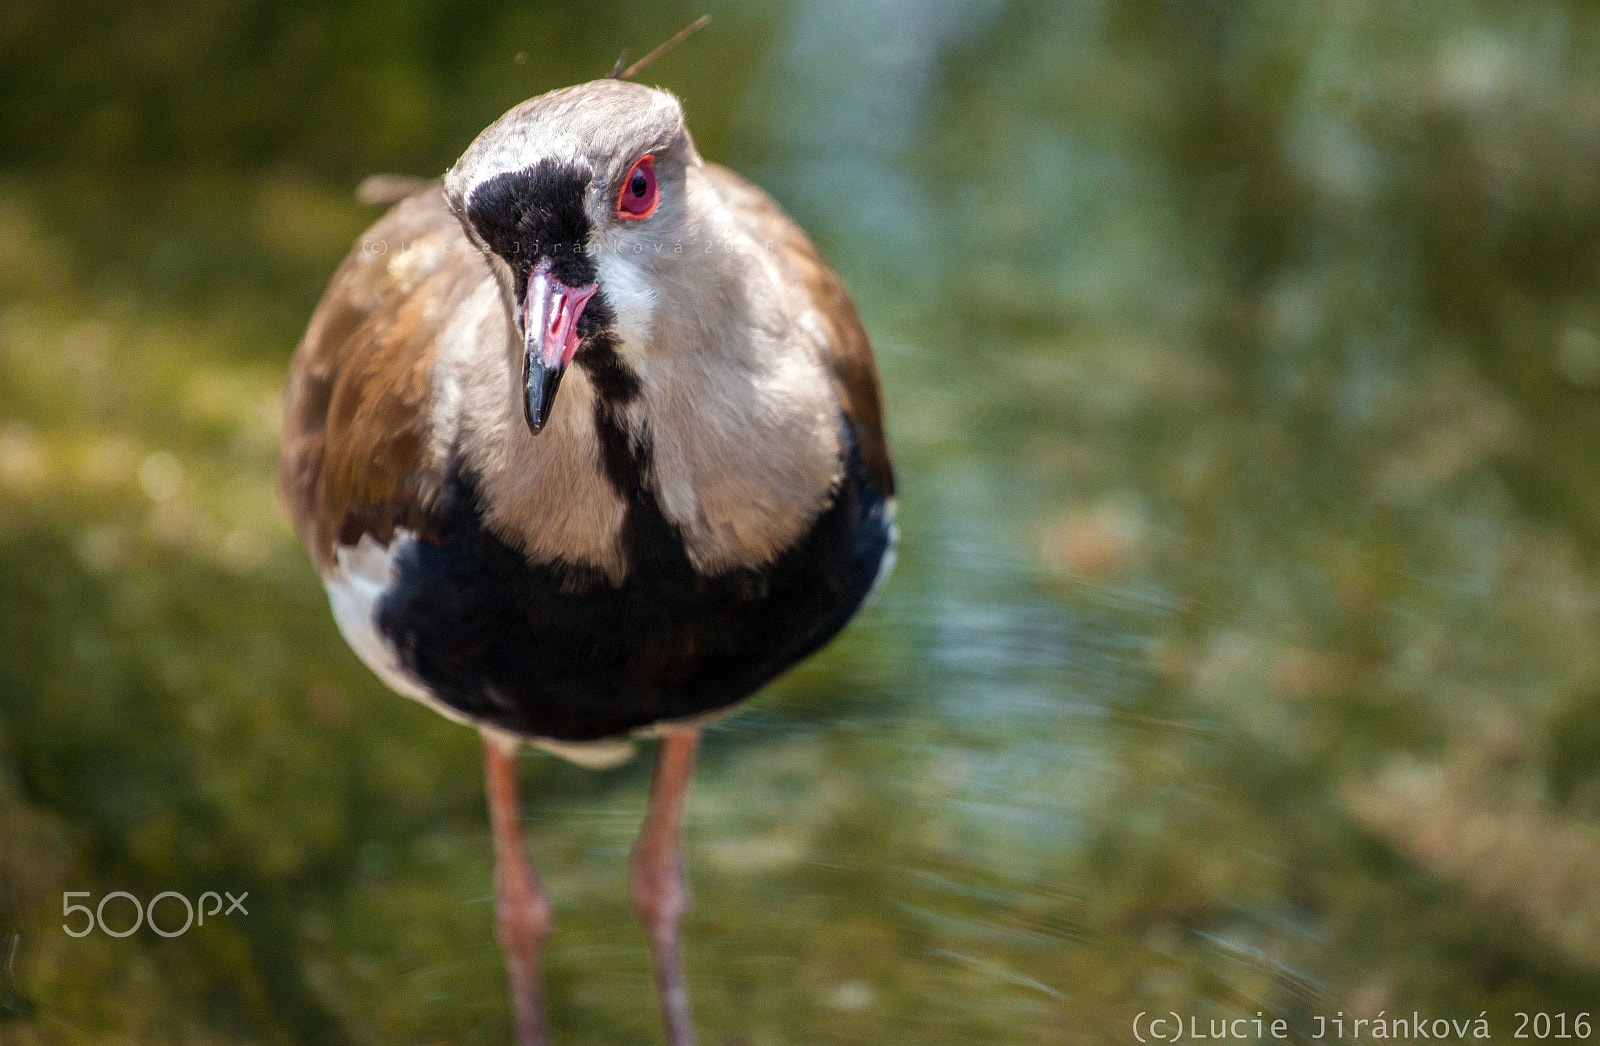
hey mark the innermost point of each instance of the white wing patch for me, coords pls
(362, 574)
(886, 565)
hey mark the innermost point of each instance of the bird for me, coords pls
(585, 441)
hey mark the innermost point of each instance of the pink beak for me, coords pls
(550, 312)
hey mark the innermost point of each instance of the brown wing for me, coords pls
(854, 370)
(354, 457)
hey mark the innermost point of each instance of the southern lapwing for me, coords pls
(586, 444)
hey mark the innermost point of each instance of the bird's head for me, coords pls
(575, 197)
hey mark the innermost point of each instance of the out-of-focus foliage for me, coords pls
(1243, 361)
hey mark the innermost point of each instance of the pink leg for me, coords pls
(655, 878)
(522, 911)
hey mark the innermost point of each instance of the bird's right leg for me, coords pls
(522, 911)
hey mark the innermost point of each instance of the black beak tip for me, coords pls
(539, 394)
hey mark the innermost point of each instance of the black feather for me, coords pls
(557, 651)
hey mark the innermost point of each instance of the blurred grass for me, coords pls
(1244, 368)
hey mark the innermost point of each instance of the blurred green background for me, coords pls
(1243, 365)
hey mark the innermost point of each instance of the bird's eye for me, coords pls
(639, 194)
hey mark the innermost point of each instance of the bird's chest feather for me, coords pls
(741, 450)
(741, 459)
(560, 651)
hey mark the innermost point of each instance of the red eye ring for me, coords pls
(639, 194)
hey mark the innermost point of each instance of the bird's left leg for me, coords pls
(522, 911)
(655, 878)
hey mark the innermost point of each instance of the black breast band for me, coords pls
(558, 652)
